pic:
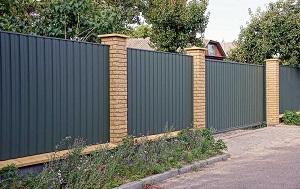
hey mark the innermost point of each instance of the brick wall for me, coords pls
(198, 85)
(118, 85)
(272, 91)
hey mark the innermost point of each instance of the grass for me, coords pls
(104, 168)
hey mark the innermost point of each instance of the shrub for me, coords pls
(291, 118)
(132, 160)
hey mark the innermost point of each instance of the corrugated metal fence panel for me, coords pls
(50, 89)
(289, 89)
(159, 91)
(235, 95)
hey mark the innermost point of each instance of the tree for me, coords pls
(176, 24)
(70, 19)
(142, 31)
(129, 10)
(271, 33)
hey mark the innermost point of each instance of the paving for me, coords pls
(267, 158)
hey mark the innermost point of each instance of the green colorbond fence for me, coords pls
(289, 89)
(159, 91)
(235, 95)
(50, 89)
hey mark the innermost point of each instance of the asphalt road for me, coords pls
(267, 158)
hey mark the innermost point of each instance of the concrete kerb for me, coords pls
(174, 172)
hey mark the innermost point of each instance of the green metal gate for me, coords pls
(235, 95)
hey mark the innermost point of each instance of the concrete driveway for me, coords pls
(267, 158)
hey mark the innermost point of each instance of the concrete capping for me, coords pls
(113, 35)
(154, 179)
(281, 115)
(195, 48)
(272, 60)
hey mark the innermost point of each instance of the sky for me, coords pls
(226, 17)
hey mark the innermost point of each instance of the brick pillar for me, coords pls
(272, 91)
(198, 55)
(118, 85)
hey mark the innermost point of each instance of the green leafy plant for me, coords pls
(291, 118)
(10, 177)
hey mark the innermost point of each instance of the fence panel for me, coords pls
(159, 91)
(50, 89)
(235, 95)
(289, 89)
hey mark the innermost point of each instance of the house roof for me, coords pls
(215, 43)
(139, 43)
(143, 43)
(227, 46)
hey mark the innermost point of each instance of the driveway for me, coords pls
(267, 158)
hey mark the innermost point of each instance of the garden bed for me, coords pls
(105, 168)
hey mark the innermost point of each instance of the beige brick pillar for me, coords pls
(272, 91)
(198, 85)
(118, 85)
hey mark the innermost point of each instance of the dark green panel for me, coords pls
(159, 91)
(235, 95)
(51, 89)
(289, 89)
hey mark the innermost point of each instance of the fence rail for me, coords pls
(235, 95)
(50, 89)
(289, 89)
(160, 91)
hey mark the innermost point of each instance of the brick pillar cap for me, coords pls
(272, 60)
(113, 35)
(195, 48)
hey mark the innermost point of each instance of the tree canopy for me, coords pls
(274, 33)
(171, 24)
(70, 19)
(176, 24)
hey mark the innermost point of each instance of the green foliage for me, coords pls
(70, 19)
(18, 15)
(274, 33)
(175, 25)
(142, 31)
(291, 118)
(132, 160)
(129, 10)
